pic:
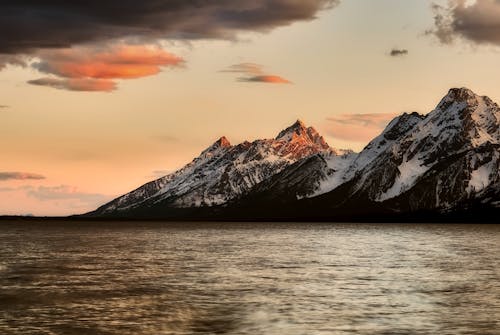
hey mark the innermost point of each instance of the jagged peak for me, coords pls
(463, 103)
(401, 124)
(221, 143)
(297, 128)
(462, 94)
(306, 135)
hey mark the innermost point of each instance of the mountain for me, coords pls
(440, 160)
(224, 172)
(447, 161)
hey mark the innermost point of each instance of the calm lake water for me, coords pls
(153, 278)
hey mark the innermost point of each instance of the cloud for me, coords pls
(70, 32)
(85, 84)
(7, 189)
(34, 25)
(477, 22)
(15, 60)
(20, 176)
(4, 106)
(65, 192)
(357, 127)
(398, 52)
(271, 79)
(97, 68)
(254, 73)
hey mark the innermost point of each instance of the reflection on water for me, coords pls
(152, 278)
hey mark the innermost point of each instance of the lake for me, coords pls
(248, 278)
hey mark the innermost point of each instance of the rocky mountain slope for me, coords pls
(445, 161)
(224, 172)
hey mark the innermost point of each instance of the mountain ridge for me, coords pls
(433, 163)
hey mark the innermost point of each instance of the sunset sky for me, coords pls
(99, 97)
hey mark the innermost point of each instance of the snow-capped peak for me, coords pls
(467, 115)
(462, 94)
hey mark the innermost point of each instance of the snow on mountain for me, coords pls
(415, 147)
(441, 161)
(347, 166)
(462, 121)
(223, 172)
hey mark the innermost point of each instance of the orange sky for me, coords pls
(94, 120)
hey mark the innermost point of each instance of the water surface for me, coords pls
(245, 278)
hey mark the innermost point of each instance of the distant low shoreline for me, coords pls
(421, 218)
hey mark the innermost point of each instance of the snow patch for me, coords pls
(480, 178)
(340, 166)
(409, 172)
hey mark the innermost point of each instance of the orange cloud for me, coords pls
(95, 69)
(357, 127)
(254, 73)
(271, 79)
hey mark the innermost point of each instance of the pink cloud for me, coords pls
(254, 73)
(357, 127)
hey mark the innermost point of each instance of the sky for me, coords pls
(97, 98)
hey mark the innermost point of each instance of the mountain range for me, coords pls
(445, 164)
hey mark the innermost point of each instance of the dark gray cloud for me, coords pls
(17, 60)
(477, 22)
(32, 24)
(398, 52)
(77, 84)
(19, 176)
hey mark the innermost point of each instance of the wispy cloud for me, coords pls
(398, 52)
(65, 192)
(4, 106)
(357, 127)
(270, 79)
(15, 60)
(97, 68)
(254, 73)
(474, 21)
(20, 176)
(77, 84)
